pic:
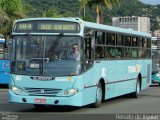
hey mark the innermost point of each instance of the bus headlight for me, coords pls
(158, 75)
(17, 90)
(68, 92)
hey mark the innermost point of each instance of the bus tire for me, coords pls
(99, 96)
(138, 88)
(39, 106)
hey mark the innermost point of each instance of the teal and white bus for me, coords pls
(113, 62)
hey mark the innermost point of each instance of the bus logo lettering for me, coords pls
(134, 69)
(103, 72)
(42, 91)
(6, 65)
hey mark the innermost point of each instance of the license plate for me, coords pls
(39, 100)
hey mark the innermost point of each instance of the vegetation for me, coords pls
(72, 8)
(99, 6)
(10, 10)
(15, 9)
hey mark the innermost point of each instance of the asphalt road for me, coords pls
(147, 103)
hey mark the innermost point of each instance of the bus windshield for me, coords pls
(46, 55)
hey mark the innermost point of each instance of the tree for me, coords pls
(99, 6)
(51, 12)
(10, 11)
(3, 21)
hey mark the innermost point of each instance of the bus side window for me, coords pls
(141, 53)
(144, 41)
(119, 52)
(127, 53)
(110, 39)
(100, 38)
(100, 52)
(127, 41)
(134, 42)
(107, 54)
(149, 43)
(134, 53)
(111, 52)
(139, 42)
(119, 40)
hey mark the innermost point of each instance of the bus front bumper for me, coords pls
(75, 100)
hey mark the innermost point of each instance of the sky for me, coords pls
(153, 2)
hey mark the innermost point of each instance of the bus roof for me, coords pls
(2, 40)
(93, 25)
(61, 19)
(117, 29)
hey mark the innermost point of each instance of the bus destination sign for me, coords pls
(43, 26)
(24, 26)
(47, 26)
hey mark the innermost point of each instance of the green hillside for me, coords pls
(70, 8)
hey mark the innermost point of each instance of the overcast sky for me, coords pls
(153, 2)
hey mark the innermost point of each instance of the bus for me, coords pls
(4, 62)
(113, 62)
(155, 60)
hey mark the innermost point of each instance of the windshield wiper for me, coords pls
(34, 41)
(56, 43)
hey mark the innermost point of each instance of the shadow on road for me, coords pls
(154, 85)
(53, 109)
(27, 108)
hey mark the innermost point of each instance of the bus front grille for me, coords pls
(42, 91)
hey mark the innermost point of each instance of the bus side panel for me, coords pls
(121, 76)
(125, 87)
(4, 66)
(4, 71)
(103, 71)
(89, 86)
(146, 80)
(118, 76)
(133, 69)
(109, 91)
(4, 78)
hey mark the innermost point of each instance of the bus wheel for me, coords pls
(38, 106)
(158, 84)
(136, 93)
(99, 95)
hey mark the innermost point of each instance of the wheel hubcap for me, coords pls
(138, 88)
(99, 95)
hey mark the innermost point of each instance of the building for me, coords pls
(136, 23)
